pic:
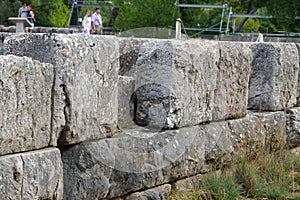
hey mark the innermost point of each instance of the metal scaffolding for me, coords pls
(212, 28)
(231, 15)
(225, 13)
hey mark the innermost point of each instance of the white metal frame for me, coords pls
(224, 8)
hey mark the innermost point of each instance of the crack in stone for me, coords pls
(67, 113)
(51, 142)
(22, 184)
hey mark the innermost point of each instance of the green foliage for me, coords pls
(251, 25)
(68, 3)
(265, 25)
(8, 8)
(145, 13)
(50, 12)
(285, 13)
(47, 12)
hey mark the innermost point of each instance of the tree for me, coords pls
(284, 13)
(50, 12)
(145, 13)
(8, 8)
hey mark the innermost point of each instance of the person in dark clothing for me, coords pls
(31, 19)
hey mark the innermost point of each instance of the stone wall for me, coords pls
(102, 117)
(37, 29)
(253, 37)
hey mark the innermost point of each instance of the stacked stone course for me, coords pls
(102, 117)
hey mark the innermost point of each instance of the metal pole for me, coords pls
(228, 20)
(178, 29)
(70, 16)
(223, 11)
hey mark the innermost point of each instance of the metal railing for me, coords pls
(212, 28)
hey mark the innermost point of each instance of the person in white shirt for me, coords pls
(23, 11)
(97, 22)
(87, 23)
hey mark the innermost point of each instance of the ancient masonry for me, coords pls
(102, 117)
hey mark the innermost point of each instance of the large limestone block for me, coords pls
(186, 83)
(87, 177)
(188, 184)
(293, 127)
(258, 132)
(32, 175)
(158, 193)
(132, 161)
(25, 104)
(231, 93)
(139, 159)
(274, 76)
(86, 82)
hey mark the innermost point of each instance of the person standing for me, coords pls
(87, 23)
(97, 22)
(23, 11)
(31, 19)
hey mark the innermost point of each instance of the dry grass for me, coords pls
(263, 169)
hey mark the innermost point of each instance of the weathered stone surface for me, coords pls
(129, 54)
(187, 185)
(9, 29)
(37, 29)
(246, 38)
(151, 32)
(252, 38)
(231, 93)
(293, 127)
(157, 193)
(2, 38)
(25, 105)
(86, 81)
(186, 83)
(261, 131)
(298, 88)
(125, 92)
(274, 76)
(33, 175)
(296, 151)
(140, 159)
(86, 177)
(11, 176)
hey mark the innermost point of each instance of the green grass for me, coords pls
(221, 187)
(270, 175)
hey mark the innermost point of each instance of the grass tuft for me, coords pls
(269, 176)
